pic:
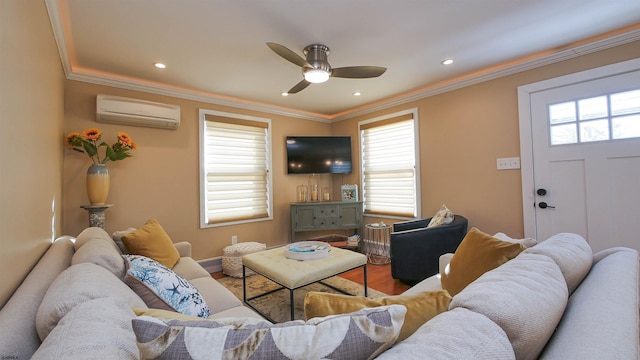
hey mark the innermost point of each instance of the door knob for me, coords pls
(544, 205)
(541, 192)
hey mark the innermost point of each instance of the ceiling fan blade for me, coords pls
(287, 54)
(299, 87)
(358, 72)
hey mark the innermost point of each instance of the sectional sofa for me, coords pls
(554, 300)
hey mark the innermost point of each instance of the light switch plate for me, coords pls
(508, 163)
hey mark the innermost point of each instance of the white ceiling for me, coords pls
(215, 49)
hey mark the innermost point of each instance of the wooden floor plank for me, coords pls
(378, 278)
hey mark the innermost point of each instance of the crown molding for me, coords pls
(107, 79)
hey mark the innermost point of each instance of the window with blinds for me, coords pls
(235, 163)
(389, 172)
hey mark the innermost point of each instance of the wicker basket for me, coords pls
(232, 258)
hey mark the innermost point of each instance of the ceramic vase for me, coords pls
(98, 184)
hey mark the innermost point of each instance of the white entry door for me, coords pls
(584, 170)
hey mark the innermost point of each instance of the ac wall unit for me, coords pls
(121, 110)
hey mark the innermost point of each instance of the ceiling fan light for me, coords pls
(316, 76)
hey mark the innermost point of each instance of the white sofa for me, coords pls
(70, 274)
(553, 301)
(556, 300)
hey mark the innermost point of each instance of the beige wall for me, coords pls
(161, 179)
(463, 132)
(31, 113)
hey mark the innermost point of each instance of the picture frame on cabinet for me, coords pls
(349, 192)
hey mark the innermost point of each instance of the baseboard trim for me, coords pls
(212, 265)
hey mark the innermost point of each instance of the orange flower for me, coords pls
(125, 139)
(100, 153)
(69, 139)
(92, 134)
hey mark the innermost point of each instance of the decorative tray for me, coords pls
(307, 250)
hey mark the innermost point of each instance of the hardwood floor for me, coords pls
(378, 278)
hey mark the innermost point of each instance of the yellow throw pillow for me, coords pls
(421, 307)
(477, 253)
(153, 242)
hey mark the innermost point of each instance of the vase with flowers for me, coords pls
(100, 153)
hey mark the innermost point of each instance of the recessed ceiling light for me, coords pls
(160, 65)
(447, 62)
(357, 93)
(285, 94)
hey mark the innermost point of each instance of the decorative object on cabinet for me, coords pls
(349, 192)
(314, 188)
(301, 193)
(325, 194)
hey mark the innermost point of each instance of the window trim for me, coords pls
(202, 119)
(416, 134)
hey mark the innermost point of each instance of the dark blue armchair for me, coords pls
(415, 249)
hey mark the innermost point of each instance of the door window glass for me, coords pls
(601, 118)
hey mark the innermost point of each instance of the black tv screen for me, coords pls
(318, 154)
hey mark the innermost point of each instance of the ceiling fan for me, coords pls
(316, 68)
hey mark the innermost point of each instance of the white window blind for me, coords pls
(236, 170)
(389, 167)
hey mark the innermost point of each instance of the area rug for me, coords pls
(276, 305)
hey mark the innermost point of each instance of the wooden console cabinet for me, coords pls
(325, 215)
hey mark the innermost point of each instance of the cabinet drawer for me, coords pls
(328, 211)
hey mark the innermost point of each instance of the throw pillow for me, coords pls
(442, 217)
(477, 253)
(96, 329)
(421, 307)
(571, 252)
(455, 334)
(117, 238)
(525, 297)
(361, 335)
(76, 285)
(162, 288)
(100, 252)
(89, 234)
(153, 242)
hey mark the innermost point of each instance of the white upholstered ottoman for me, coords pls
(294, 274)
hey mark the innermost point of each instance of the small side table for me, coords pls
(376, 243)
(96, 214)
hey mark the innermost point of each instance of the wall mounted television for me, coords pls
(318, 154)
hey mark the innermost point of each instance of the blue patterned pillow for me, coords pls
(161, 288)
